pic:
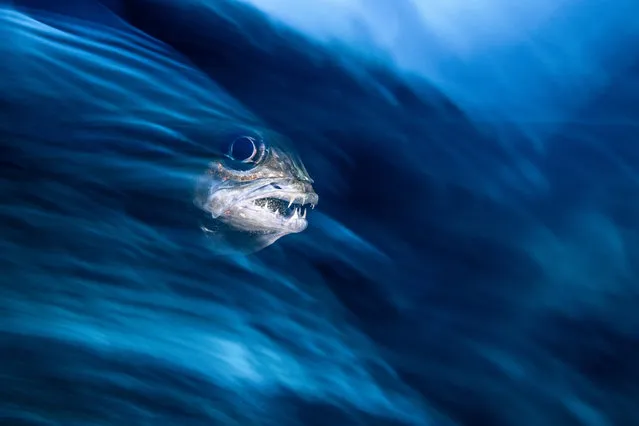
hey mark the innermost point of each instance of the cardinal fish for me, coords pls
(115, 97)
(256, 192)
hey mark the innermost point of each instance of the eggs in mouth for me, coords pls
(285, 208)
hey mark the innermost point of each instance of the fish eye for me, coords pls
(243, 149)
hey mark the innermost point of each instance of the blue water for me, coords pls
(474, 259)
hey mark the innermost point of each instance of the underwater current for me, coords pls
(473, 258)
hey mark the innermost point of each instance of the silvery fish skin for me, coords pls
(256, 193)
(125, 96)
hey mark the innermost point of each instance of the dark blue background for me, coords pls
(494, 302)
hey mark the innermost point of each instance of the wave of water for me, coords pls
(473, 259)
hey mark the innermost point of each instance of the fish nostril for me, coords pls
(276, 186)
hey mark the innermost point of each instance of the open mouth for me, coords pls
(284, 208)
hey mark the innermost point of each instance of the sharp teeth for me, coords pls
(304, 213)
(313, 206)
(290, 203)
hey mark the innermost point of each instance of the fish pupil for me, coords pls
(243, 149)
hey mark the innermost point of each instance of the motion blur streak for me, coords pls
(496, 58)
(98, 119)
(474, 259)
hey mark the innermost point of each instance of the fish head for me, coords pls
(256, 192)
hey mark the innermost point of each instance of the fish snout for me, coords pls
(306, 187)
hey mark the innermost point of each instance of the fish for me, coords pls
(257, 192)
(129, 113)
